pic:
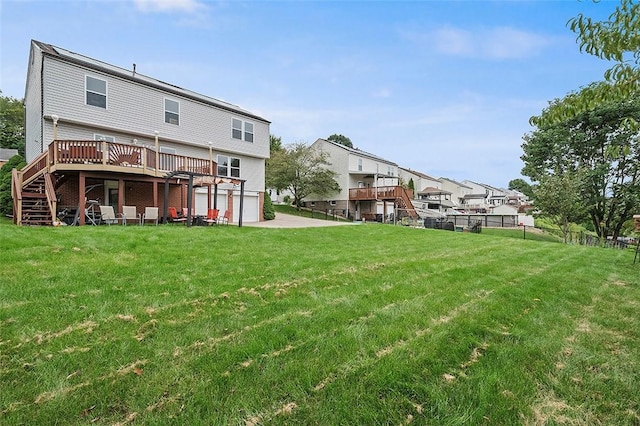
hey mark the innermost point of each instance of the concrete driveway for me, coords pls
(283, 220)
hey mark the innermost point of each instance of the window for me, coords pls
(171, 111)
(96, 92)
(236, 132)
(228, 166)
(359, 164)
(332, 203)
(97, 137)
(248, 132)
(242, 130)
(167, 150)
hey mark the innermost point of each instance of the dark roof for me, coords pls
(358, 152)
(132, 75)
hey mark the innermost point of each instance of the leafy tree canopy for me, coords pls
(275, 143)
(605, 151)
(303, 171)
(341, 139)
(522, 186)
(11, 123)
(615, 39)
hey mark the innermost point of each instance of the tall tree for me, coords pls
(522, 186)
(559, 197)
(605, 150)
(12, 123)
(302, 170)
(615, 39)
(275, 143)
(341, 139)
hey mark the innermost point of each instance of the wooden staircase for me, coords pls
(404, 202)
(34, 196)
(35, 205)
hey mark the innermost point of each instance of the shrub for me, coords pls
(6, 202)
(268, 211)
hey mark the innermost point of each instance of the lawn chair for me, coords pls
(150, 213)
(226, 218)
(109, 217)
(212, 216)
(172, 214)
(130, 213)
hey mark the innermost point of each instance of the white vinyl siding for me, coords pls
(96, 92)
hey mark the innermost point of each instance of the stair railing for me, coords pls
(52, 199)
(16, 194)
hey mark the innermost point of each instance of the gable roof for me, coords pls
(455, 182)
(132, 75)
(357, 151)
(419, 174)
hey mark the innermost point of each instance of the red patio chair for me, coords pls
(173, 215)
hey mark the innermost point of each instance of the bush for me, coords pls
(6, 202)
(268, 211)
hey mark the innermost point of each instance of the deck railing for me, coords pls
(102, 153)
(377, 193)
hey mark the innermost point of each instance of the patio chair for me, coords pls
(130, 213)
(212, 216)
(172, 214)
(109, 217)
(151, 214)
(226, 218)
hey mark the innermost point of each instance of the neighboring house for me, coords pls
(370, 187)
(429, 199)
(6, 154)
(506, 209)
(458, 192)
(95, 131)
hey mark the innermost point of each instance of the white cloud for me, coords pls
(188, 6)
(492, 43)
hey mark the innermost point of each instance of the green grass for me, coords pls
(347, 325)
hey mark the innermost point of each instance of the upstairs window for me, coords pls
(236, 131)
(241, 130)
(248, 132)
(96, 92)
(171, 111)
(228, 166)
(359, 164)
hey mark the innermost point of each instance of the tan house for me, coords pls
(370, 185)
(98, 134)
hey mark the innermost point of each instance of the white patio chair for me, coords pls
(109, 217)
(130, 213)
(151, 214)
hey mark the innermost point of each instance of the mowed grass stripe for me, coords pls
(368, 317)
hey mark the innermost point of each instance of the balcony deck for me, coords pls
(87, 155)
(378, 193)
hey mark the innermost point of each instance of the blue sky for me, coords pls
(442, 87)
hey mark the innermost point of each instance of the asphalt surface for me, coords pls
(283, 220)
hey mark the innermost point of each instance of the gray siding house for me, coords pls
(95, 131)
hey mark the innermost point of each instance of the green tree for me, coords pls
(615, 39)
(412, 186)
(12, 123)
(268, 211)
(605, 150)
(275, 143)
(302, 170)
(341, 139)
(6, 202)
(558, 197)
(522, 186)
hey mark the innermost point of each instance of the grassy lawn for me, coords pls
(349, 325)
